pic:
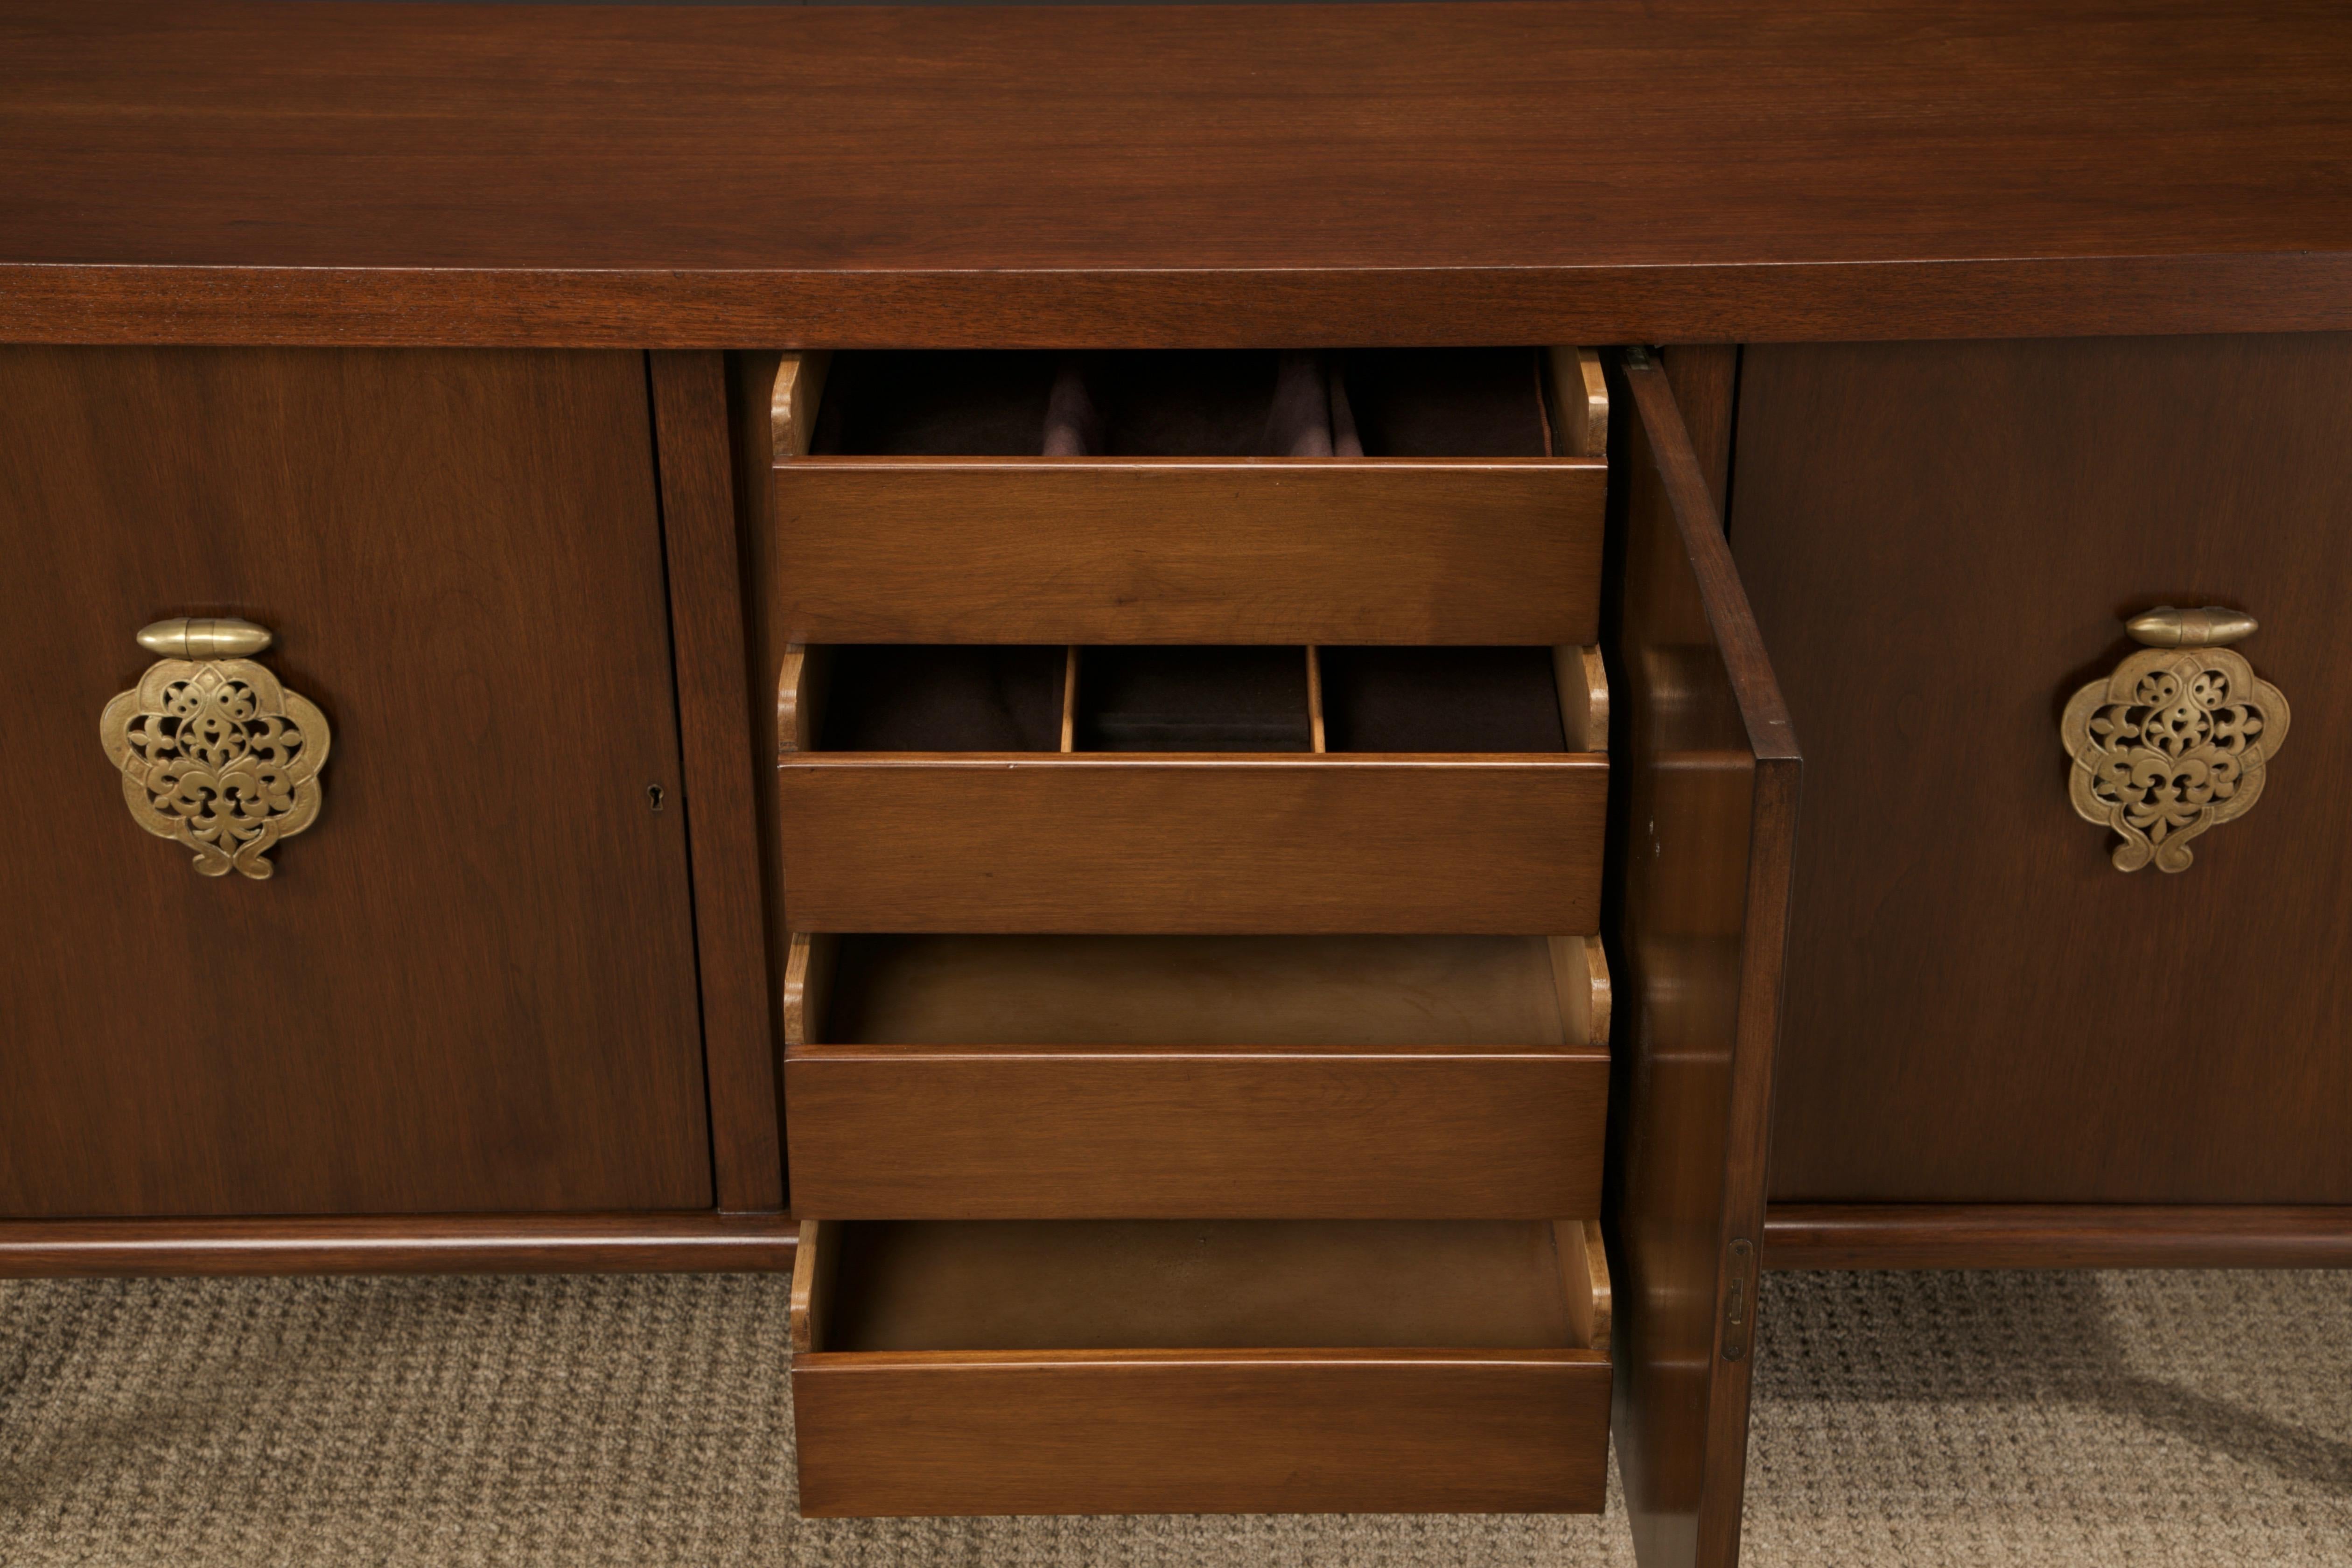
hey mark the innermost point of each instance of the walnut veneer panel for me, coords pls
(1981, 1007)
(471, 986)
(1711, 169)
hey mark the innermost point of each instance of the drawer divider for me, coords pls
(1315, 698)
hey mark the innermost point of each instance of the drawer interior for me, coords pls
(1441, 700)
(896, 697)
(1191, 699)
(1417, 403)
(964, 698)
(1363, 992)
(1081, 1285)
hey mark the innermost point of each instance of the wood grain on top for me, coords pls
(1716, 169)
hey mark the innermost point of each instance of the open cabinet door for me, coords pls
(1699, 897)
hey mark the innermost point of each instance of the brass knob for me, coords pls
(2177, 741)
(2211, 626)
(218, 637)
(214, 754)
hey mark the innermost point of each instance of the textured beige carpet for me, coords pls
(1983, 1419)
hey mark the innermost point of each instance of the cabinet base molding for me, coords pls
(2058, 1235)
(698, 1242)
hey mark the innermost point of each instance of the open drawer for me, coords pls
(1180, 790)
(1421, 495)
(1089, 1363)
(1239, 1366)
(1094, 1077)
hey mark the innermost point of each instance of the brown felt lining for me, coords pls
(1441, 700)
(1192, 700)
(1436, 402)
(1201, 404)
(1447, 403)
(941, 698)
(930, 403)
(1246, 698)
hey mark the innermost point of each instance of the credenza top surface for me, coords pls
(202, 171)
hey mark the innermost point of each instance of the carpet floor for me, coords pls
(1915, 1419)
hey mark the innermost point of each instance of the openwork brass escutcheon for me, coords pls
(2177, 741)
(214, 754)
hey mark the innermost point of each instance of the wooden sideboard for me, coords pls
(481, 356)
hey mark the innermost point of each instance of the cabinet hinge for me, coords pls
(1738, 1299)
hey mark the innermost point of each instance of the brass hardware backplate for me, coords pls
(216, 755)
(2176, 741)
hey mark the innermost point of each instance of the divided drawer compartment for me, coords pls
(1093, 1076)
(1192, 790)
(1393, 495)
(1165, 1366)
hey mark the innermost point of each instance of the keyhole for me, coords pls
(654, 797)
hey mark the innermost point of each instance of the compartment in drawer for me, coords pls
(1426, 496)
(1191, 699)
(1240, 821)
(967, 1077)
(1487, 699)
(972, 699)
(1201, 1366)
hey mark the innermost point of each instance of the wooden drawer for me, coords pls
(913, 500)
(1201, 1367)
(1192, 790)
(1056, 1076)
(1345, 1359)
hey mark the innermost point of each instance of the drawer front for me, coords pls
(1201, 1076)
(1314, 551)
(1011, 843)
(922, 1131)
(928, 1375)
(1205, 1432)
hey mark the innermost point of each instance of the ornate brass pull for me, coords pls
(2178, 740)
(215, 753)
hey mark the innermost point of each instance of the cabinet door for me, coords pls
(1705, 814)
(469, 985)
(1943, 541)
